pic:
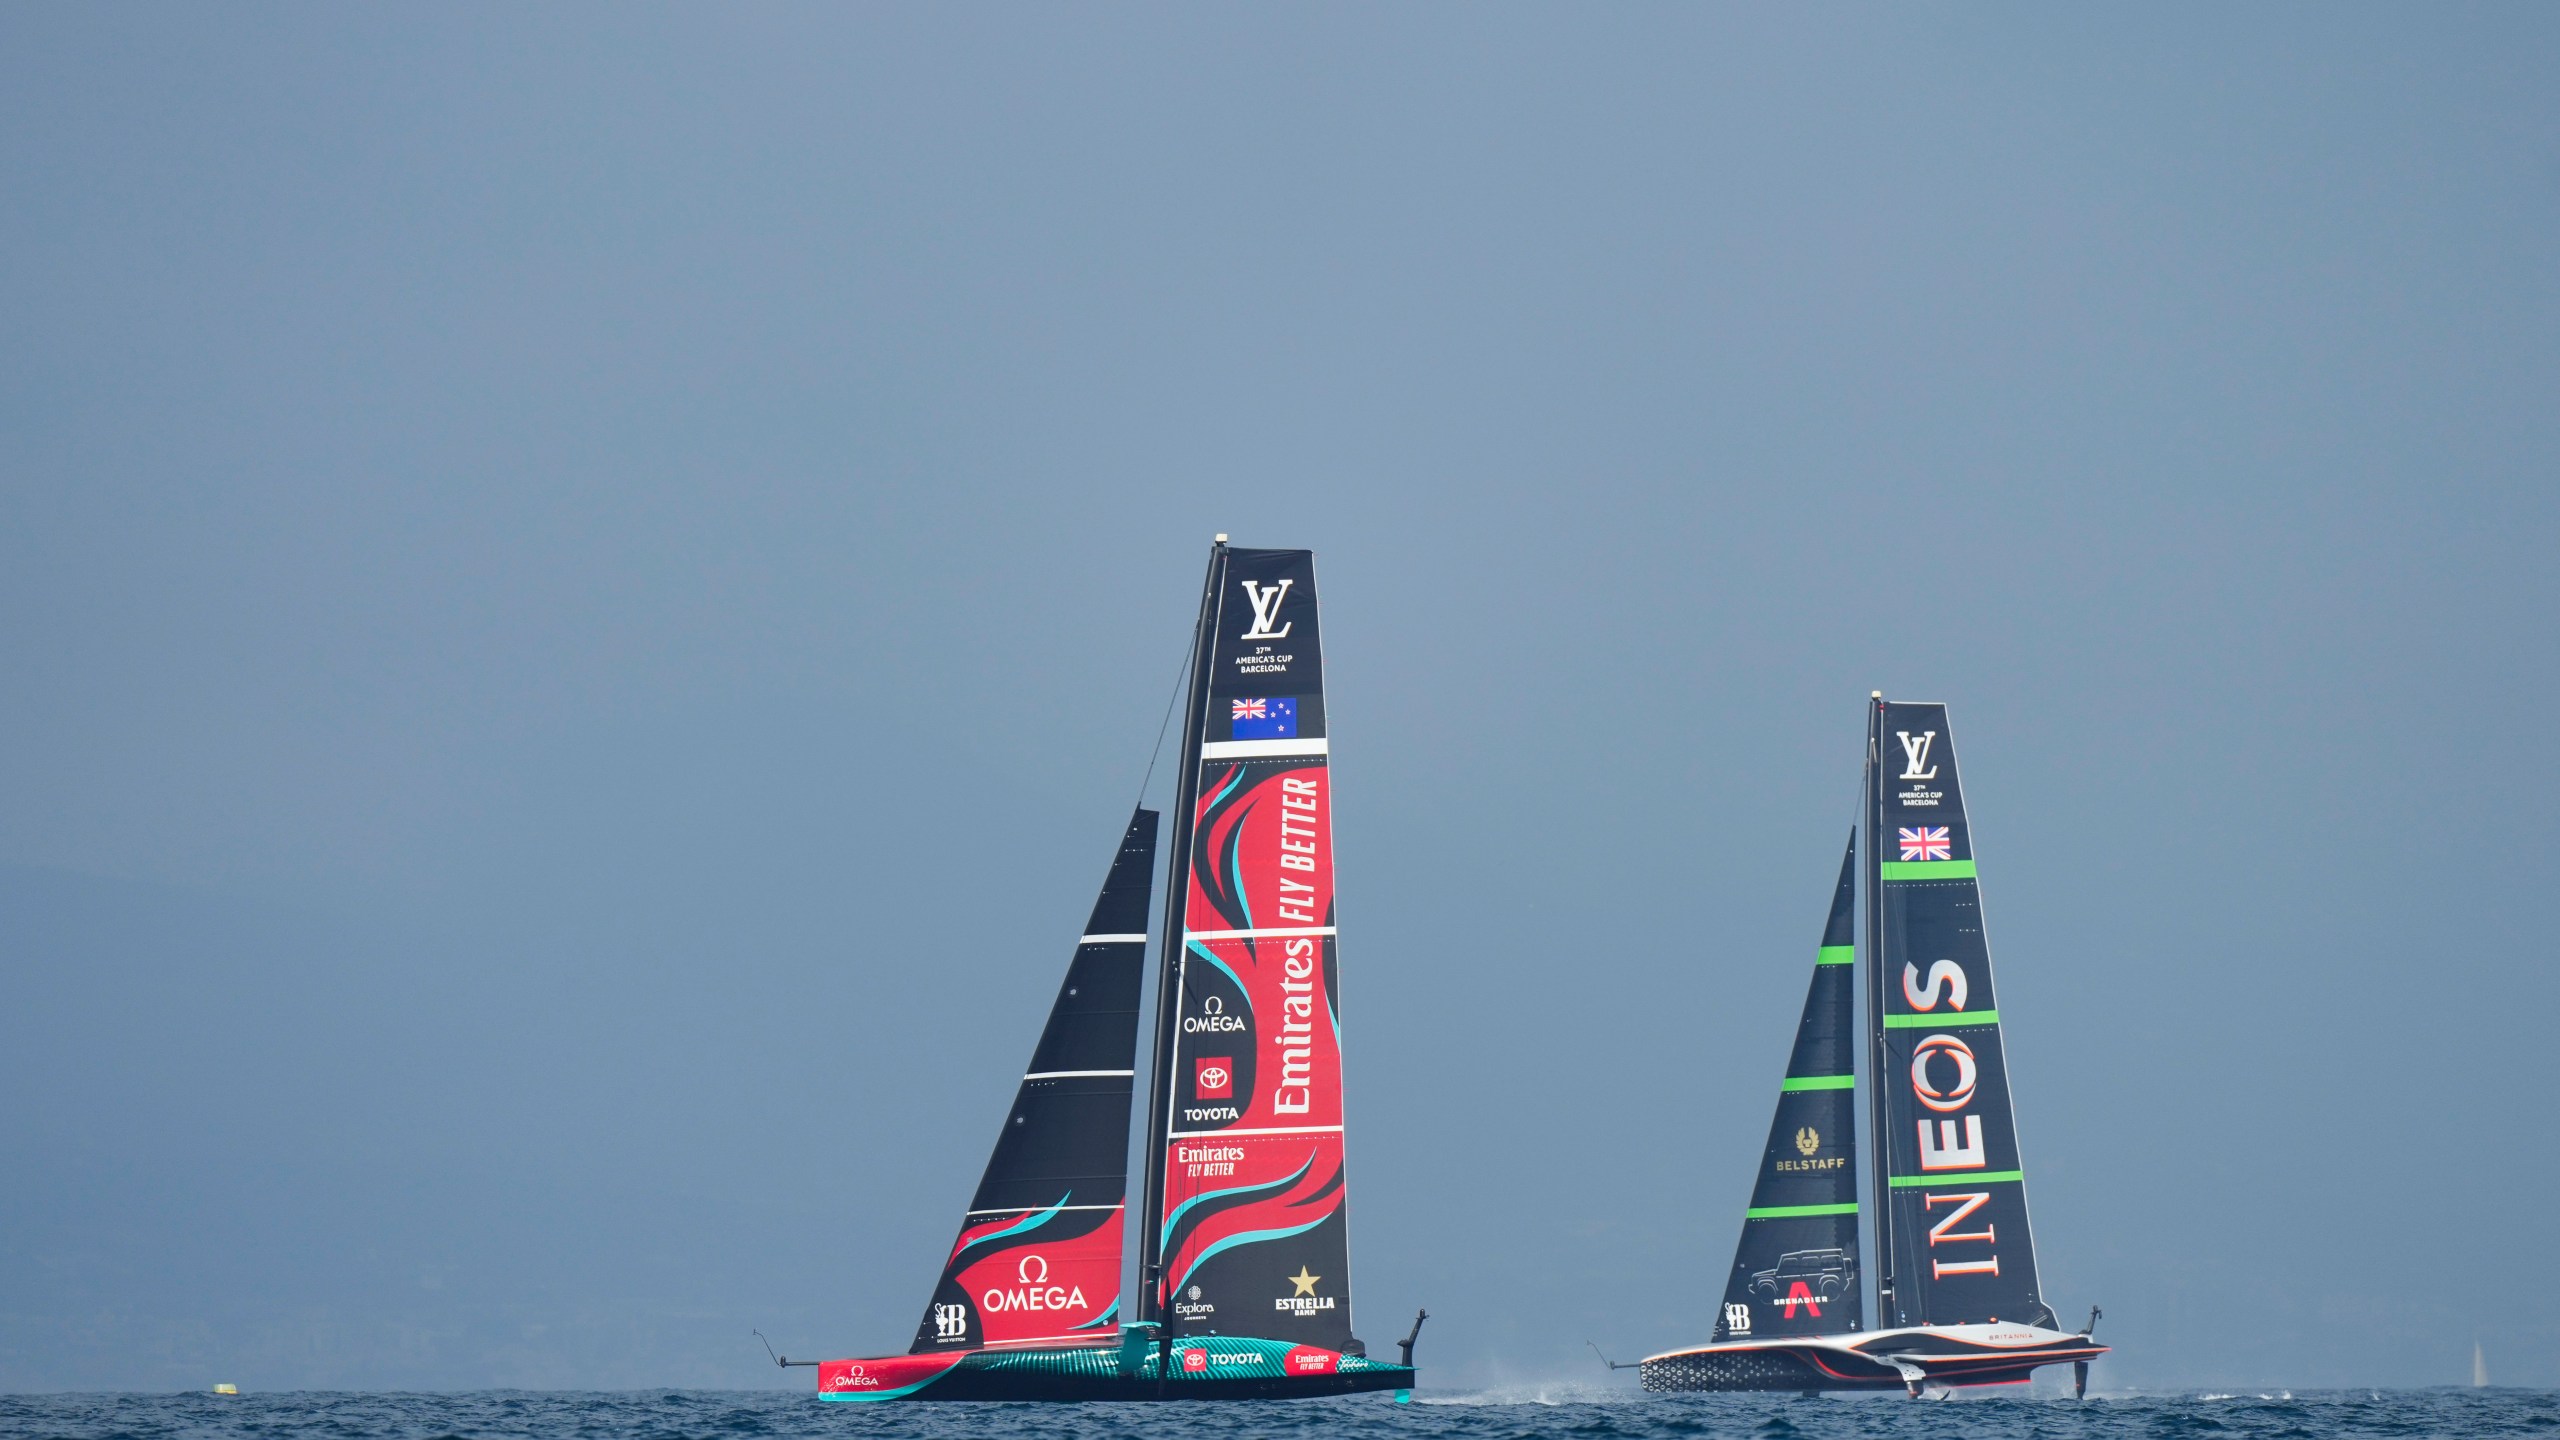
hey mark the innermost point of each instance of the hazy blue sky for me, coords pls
(584, 592)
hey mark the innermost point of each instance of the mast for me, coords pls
(1169, 965)
(1888, 1315)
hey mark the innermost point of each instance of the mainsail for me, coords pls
(1952, 1230)
(1247, 1228)
(1796, 1269)
(1038, 1256)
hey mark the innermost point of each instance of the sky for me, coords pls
(585, 591)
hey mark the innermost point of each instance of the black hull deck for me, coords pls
(1916, 1360)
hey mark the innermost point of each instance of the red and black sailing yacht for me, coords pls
(1244, 1275)
(1957, 1296)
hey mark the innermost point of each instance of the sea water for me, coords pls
(1592, 1414)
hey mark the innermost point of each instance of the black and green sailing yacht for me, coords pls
(1957, 1299)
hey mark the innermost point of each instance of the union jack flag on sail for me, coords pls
(1251, 710)
(1929, 842)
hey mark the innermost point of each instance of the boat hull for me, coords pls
(1209, 1369)
(1929, 1357)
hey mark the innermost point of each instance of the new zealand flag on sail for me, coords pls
(1270, 718)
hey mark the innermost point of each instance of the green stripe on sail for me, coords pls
(1820, 1082)
(1941, 1182)
(1835, 955)
(1947, 1021)
(1927, 869)
(1790, 1212)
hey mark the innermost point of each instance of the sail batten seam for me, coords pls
(1264, 932)
(1950, 1020)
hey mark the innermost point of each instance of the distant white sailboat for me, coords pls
(2479, 1368)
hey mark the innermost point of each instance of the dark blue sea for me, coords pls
(712, 1415)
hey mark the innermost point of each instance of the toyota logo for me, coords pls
(1023, 1271)
(1213, 1077)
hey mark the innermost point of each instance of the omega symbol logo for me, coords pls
(1929, 1095)
(1023, 1271)
(1915, 753)
(1266, 608)
(1212, 1005)
(1808, 1140)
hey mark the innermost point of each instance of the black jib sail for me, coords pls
(1246, 1220)
(1952, 1229)
(1038, 1256)
(1796, 1270)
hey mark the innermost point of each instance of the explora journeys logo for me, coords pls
(1266, 608)
(1915, 753)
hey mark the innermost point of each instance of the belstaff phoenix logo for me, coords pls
(1915, 753)
(1808, 1141)
(1266, 608)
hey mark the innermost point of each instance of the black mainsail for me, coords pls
(1951, 1195)
(1795, 1271)
(1247, 1216)
(1037, 1260)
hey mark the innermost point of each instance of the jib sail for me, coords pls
(1247, 1226)
(1953, 1228)
(1038, 1256)
(1796, 1270)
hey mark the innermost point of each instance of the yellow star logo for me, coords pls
(1305, 1282)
